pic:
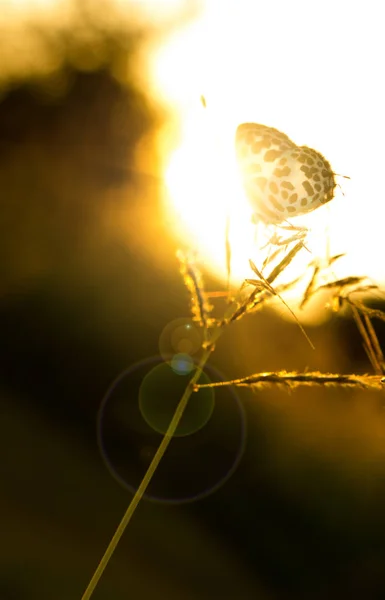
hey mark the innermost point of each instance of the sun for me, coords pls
(265, 65)
(205, 194)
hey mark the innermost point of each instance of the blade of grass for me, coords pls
(147, 477)
(295, 379)
(367, 341)
(375, 343)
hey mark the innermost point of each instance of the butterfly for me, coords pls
(281, 179)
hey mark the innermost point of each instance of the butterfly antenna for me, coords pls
(344, 176)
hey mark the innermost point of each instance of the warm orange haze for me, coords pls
(171, 430)
(316, 83)
(320, 84)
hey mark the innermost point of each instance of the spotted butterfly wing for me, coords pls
(281, 179)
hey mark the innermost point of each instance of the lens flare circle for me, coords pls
(194, 466)
(182, 364)
(159, 396)
(180, 336)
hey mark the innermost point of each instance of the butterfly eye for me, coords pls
(281, 179)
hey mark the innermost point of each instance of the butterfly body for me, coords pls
(281, 179)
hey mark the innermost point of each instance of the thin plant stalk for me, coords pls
(148, 475)
(368, 340)
(263, 288)
(294, 379)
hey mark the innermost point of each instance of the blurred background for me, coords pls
(108, 164)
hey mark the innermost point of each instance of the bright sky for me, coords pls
(312, 70)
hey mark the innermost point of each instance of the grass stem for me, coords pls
(148, 475)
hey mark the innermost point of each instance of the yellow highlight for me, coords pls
(270, 64)
(205, 191)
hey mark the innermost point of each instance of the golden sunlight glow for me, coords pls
(203, 185)
(26, 8)
(283, 65)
